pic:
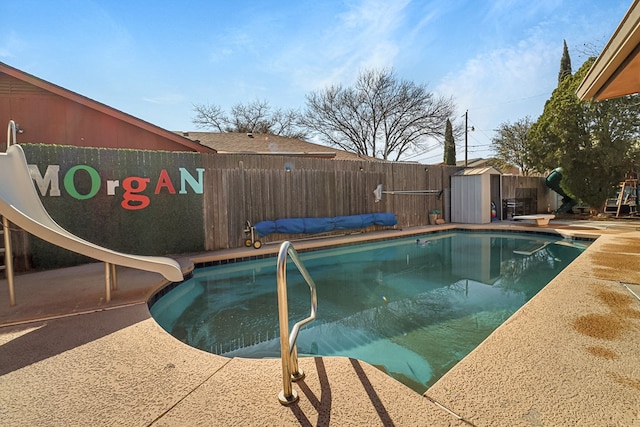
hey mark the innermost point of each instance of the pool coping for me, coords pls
(147, 377)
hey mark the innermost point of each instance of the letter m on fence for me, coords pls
(49, 180)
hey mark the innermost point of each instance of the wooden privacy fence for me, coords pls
(188, 214)
(528, 195)
(132, 201)
(254, 188)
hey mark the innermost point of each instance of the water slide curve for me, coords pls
(553, 182)
(20, 204)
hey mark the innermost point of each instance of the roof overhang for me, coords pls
(616, 72)
(105, 109)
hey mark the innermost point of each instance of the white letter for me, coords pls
(50, 179)
(111, 186)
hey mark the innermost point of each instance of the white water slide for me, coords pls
(20, 204)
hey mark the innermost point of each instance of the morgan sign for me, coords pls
(136, 190)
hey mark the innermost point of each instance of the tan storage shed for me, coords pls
(472, 191)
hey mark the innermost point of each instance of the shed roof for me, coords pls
(478, 171)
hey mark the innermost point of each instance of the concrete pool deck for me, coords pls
(568, 357)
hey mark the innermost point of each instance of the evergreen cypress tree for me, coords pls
(449, 145)
(565, 64)
(595, 143)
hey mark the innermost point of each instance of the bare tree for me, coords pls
(256, 116)
(591, 49)
(380, 116)
(209, 117)
(287, 123)
(512, 144)
(251, 117)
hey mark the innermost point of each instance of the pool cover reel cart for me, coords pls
(251, 239)
(315, 225)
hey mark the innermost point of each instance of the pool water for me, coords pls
(413, 307)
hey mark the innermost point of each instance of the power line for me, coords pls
(424, 150)
(511, 101)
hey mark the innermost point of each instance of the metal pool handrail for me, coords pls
(12, 129)
(288, 349)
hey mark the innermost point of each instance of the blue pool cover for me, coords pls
(323, 225)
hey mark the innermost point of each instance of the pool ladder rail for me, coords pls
(288, 350)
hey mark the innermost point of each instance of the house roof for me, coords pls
(256, 143)
(102, 108)
(616, 72)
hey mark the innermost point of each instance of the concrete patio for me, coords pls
(568, 357)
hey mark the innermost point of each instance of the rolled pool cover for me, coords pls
(323, 225)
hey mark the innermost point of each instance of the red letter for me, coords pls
(164, 181)
(132, 198)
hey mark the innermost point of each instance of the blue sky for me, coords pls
(156, 59)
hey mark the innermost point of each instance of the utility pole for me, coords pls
(466, 136)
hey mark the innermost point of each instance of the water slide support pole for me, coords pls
(8, 261)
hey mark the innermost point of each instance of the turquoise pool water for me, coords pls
(413, 307)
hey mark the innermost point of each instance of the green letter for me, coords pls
(70, 186)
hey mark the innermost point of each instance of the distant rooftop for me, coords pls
(473, 163)
(256, 143)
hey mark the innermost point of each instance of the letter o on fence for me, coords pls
(70, 186)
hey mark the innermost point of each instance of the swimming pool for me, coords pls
(413, 307)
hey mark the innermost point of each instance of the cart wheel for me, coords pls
(257, 244)
(247, 243)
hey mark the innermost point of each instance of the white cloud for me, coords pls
(219, 54)
(503, 85)
(165, 99)
(234, 42)
(363, 36)
(10, 45)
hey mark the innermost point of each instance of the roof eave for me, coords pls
(619, 50)
(103, 108)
